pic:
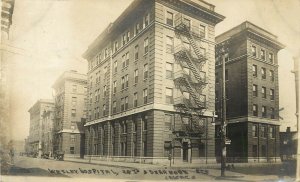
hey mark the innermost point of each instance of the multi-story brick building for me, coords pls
(70, 91)
(36, 125)
(251, 92)
(151, 83)
(47, 131)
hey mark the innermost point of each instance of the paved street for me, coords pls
(34, 167)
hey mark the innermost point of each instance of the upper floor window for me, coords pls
(263, 92)
(263, 73)
(116, 46)
(169, 70)
(124, 39)
(169, 18)
(271, 57)
(145, 71)
(114, 107)
(128, 36)
(272, 75)
(136, 75)
(168, 122)
(74, 101)
(253, 50)
(254, 90)
(73, 112)
(272, 113)
(262, 54)
(122, 104)
(116, 66)
(135, 99)
(126, 103)
(137, 28)
(226, 75)
(254, 70)
(272, 132)
(264, 111)
(106, 53)
(104, 109)
(145, 95)
(263, 131)
(272, 94)
(126, 81)
(136, 52)
(104, 90)
(74, 88)
(146, 45)
(254, 109)
(202, 31)
(123, 82)
(115, 87)
(187, 23)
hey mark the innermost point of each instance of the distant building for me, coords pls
(36, 125)
(70, 91)
(288, 144)
(47, 131)
(251, 91)
(18, 146)
(151, 84)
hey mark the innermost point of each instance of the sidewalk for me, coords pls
(212, 169)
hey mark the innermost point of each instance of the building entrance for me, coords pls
(185, 151)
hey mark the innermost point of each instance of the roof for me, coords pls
(40, 101)
(71, 74)
(251, 28)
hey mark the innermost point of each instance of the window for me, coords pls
(254, 70)
(104, 109)
(145, 122)
(271, 57)
(254, 130)
(124, 39)
(74, 101)
(124, 127)
(254, 89)
(134, 126)
(226, 75)
(202, 31)
(264, 111)
(169, 45)
(254, 109)
(262, 54)
(104, 90)
(168, 122)
(123, 61)
(271, 75)
(169, 95)
(263, 73)
(145, 71)
(126, 103)
(136, 75)
(74, 88)
(73, 112)
(137, 28)
(72, 138)
(187, 23)
(272, 132)
(123, 82)
(146, 19)
(272, 94)
(253, 50)
(126, 81)
(116, 46)
(72, 150)
(217, 77)
(127, 59)
(114, 107)
(136, 52)
(272, 113)
(254, 151)
(169, 18)
(116, 66)
(115, 87)
(135, 97)
(263, 92)
(145, 96)
(122, 104)
(146, 43)
(169, 70)
(128, 36)
(263, 131)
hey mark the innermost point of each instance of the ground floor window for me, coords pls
(263, 151)
(72, 150)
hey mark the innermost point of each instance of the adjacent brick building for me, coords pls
(36, 125)
(252, 93)
(47, 131)
(70, 113)
(151, 82)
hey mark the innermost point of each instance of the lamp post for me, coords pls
(296, 72)
(223, 52)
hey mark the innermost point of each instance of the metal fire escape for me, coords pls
(190, 80)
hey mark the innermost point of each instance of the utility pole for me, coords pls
(296, 72)
(223, 51)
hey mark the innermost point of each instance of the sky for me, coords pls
(50, 37)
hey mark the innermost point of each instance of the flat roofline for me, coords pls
(40, 101)
(63, 77)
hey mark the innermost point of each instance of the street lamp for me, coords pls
(223, 52)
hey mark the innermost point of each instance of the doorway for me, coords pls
(185, 150)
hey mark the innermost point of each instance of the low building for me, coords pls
(288, 144)
(36, 125)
